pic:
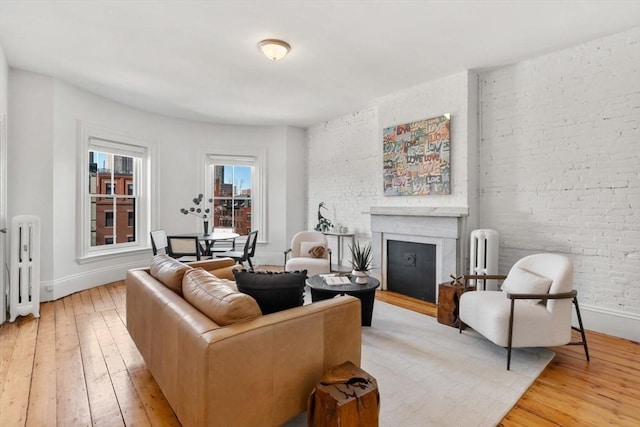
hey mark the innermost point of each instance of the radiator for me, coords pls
(483, 257)
(24, 270)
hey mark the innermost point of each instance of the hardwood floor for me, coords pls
(77, 366)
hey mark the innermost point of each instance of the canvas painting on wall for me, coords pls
(417, 158)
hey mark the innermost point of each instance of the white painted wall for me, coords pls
(4, 75)
(43, 173)
(560, 163)
(345, 154)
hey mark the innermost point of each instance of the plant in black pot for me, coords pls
(361, 259)
(199, 211)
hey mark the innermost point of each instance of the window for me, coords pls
(235, 183)
(108, 219)
(115, 200)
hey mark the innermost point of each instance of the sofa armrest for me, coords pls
(213, 264)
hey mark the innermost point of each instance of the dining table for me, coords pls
(209, 239)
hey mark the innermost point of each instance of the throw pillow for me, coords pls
(169, 272)
(273, 291)
(520, 281)
(317, 251)
(216, 300)
(307, 247)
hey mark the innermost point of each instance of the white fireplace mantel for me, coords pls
(441, 226)
(454, 212)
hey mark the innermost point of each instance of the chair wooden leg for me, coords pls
(250, 264)
(510, 334)
(581, 329)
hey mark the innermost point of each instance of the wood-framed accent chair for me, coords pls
(299, 256)
(185, 249)
(533, 309)
(246, 254)
(159, 242)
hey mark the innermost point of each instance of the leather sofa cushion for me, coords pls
(273, 291)
(169, 272)
(216, 300)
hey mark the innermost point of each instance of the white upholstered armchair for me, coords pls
(304, 253)
(532, 310)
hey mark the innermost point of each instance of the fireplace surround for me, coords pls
(442, 227)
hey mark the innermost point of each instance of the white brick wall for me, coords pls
(560, 166)
(345, 154)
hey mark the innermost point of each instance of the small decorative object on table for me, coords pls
(361, 260)
(199, 211)
(456, 280)
(324, 224)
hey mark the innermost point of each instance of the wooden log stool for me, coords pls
(346, 396)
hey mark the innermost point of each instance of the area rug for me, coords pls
(430, 375)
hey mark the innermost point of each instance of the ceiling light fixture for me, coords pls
(274, 49)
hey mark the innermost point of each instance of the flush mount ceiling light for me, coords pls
(274, 49)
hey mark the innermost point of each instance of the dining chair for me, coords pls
(246, 254)
(159, 242)
(184, 248)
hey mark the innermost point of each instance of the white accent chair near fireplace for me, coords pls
(533, 309)
(302, 256)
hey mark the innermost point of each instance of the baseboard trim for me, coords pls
(617, 323)
(62, 287)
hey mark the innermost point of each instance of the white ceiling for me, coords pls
(199, 59)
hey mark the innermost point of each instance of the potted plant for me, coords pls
(361, 259)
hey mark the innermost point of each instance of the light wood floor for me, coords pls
(77, 366)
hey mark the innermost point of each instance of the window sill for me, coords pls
(112, 255)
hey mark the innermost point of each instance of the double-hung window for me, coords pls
(236, 184)
(115, 197)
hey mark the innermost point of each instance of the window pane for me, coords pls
(123, 175)
(100, 172)
(232, 197)
(108, 219)
(100, 229)
(125, 210)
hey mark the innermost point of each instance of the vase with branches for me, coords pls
(198, 209)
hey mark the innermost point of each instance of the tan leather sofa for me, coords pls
(258, 372)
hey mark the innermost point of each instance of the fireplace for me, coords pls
(411, 269)
(440, 228)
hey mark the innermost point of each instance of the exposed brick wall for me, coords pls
(560, 164)
(345, 168)
(345, 154)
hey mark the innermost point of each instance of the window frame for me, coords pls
(258, 185)
(98, 138)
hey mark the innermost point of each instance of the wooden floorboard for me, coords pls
(77, 366)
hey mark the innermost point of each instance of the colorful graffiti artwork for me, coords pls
(417, 158)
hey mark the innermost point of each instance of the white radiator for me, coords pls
(24, 270)
(483, 257)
